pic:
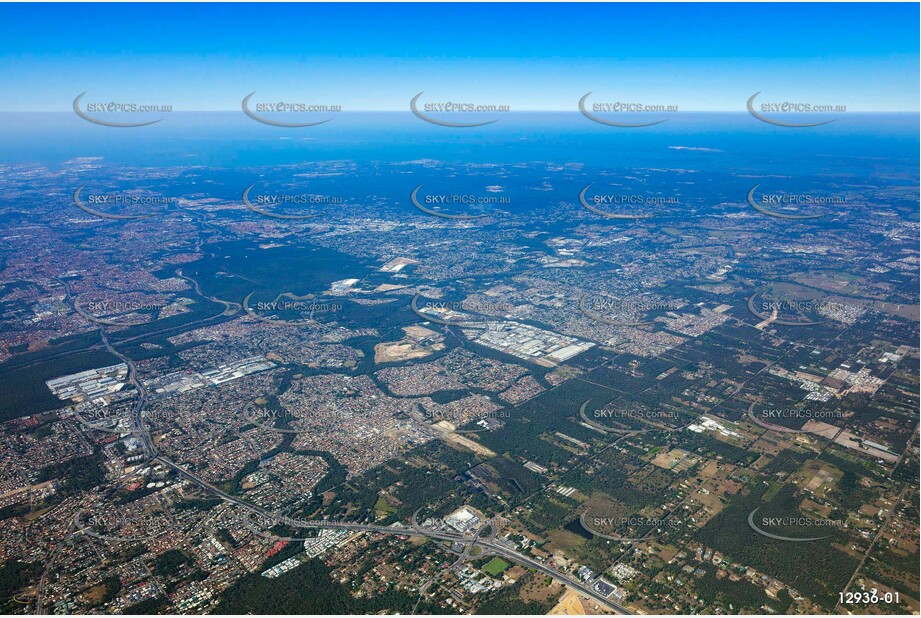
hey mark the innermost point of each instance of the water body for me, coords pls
(575, 526)
(711, 141)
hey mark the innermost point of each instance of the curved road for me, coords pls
(142, 433)
(415, 530)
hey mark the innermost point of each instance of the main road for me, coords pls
(414, 530)
(140, 431)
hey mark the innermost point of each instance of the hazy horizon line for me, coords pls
(502, 114)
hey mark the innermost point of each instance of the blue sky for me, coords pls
(528, 56)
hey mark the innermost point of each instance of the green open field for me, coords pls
(496, 566)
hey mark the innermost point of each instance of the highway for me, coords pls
(140, 431)
(488, 545)
(546, 570)
(137, 421)
(414, 530)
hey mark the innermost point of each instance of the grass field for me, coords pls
(496, 566)
(384, 507)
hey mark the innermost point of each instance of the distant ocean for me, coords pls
(704, 141)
